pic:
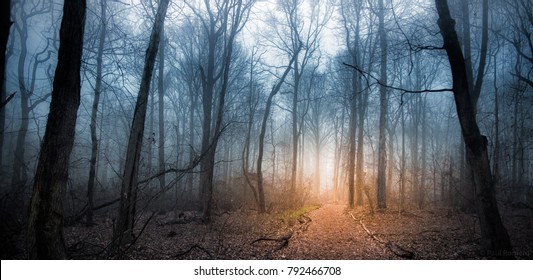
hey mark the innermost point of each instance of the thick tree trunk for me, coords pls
(45, 227)
(94, 115)
(474, 84)
(126, 215)
(5, 25)
(494, 238)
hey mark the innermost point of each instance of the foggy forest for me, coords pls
(266, 129)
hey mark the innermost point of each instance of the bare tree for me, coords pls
(383, 107)
(123, 230)
(94, 114)
(495, 240)
(273, 92)
(26, 86)
(45, 226)
(294, 32)
(225, 19)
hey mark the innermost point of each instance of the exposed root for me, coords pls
(393, 247)
(284, 241)
(305, 221)
(195, 246)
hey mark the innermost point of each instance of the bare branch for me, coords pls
(4, 103)
(367, 75)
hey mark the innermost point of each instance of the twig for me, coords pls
(76, 218)
(138, 235)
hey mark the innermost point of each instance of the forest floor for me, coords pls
(326, 232)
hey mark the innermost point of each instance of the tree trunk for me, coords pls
(210, 142)
(351, 140)
(194, 101)
(273, 92)
(161, 109)
(402, 164)
(294, 114)
(45, 226)
(495, 241)
(246, 149)
(423, 151)
(207, 162)
(126, 214)
(19, 171)
(359, 172)
(383, 107)
(496, 156)
(5, 25)
(94, 114)
(474, 84)
(19, 176)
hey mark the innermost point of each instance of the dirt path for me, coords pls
(333, 234)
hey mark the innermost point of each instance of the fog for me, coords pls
(361, 101)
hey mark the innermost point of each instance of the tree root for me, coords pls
(195, 246)
(284, 241)
(305, 221)
(393, 247)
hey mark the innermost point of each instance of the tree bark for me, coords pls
(495, 241)
(5, 25)
(45, 226)
(126, 215)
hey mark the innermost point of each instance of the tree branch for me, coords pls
(4, 103)
(367, 75)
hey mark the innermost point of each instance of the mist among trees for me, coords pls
(175, 129)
